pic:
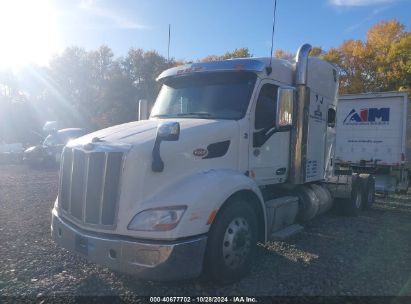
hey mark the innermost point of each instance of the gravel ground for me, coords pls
(365, 255)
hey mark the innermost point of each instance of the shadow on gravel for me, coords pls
(255, 283)
(93, 285)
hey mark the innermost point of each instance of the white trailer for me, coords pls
(372, 138)
(234, 152)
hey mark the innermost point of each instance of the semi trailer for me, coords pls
(234, 153)
(372, 138)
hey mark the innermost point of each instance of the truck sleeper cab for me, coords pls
(234, 152)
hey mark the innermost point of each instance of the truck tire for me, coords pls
(309, 203)
(408, 182)
(231, 243)
(368, 190)
(354, 204)
(404, 191)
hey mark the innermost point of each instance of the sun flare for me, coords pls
(28, 32)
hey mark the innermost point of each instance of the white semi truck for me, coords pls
(372, 138)
(234, 152)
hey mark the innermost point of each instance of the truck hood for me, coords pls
(140, 132)
(142, 188)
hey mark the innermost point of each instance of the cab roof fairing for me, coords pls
(257, 65)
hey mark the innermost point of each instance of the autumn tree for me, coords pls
(281, 54)
(18, 122)
(349, 57)
(316, 51)
(237, 53)
(381, 63)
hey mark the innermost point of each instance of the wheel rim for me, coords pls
(358, 200)
(236, 243)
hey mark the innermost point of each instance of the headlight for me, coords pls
(159, 219)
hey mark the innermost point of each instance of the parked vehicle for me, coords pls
(49, 152)
(234, 152)
(11, 153)
(372, 138)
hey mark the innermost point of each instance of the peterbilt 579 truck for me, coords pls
(234, 152)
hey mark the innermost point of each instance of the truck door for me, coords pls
(269, 148)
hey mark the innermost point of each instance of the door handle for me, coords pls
(280, 171)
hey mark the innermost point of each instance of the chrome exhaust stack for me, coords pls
(301, 114)
(301, 67)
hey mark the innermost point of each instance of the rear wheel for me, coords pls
(354, 204)
(231, 243)
(368, 190)
(406, 184)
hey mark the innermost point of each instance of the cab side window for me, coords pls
(266, 107)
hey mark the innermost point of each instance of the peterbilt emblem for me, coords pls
(200, 152)
(88, 146)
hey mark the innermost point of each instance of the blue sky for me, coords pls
(199, 28)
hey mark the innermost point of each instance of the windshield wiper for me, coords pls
(202, 114)
(198, 114)
(163, 115)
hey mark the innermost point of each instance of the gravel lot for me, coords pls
(365, 255)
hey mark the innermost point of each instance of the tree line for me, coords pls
(94, 89)
(380, 63)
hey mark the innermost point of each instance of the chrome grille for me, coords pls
(89, 186)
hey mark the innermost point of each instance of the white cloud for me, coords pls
(370, 16)
(359, 2)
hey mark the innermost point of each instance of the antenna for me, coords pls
(269, 69)
(169, 38)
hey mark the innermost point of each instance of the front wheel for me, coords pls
(231, 243)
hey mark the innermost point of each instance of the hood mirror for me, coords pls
(169, 131)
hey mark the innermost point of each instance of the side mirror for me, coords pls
(285, 105)
(143, 109)
(168, 131)
(50, 127)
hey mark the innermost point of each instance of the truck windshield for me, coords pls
(219, 95)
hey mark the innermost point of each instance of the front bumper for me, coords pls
(153, 260)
